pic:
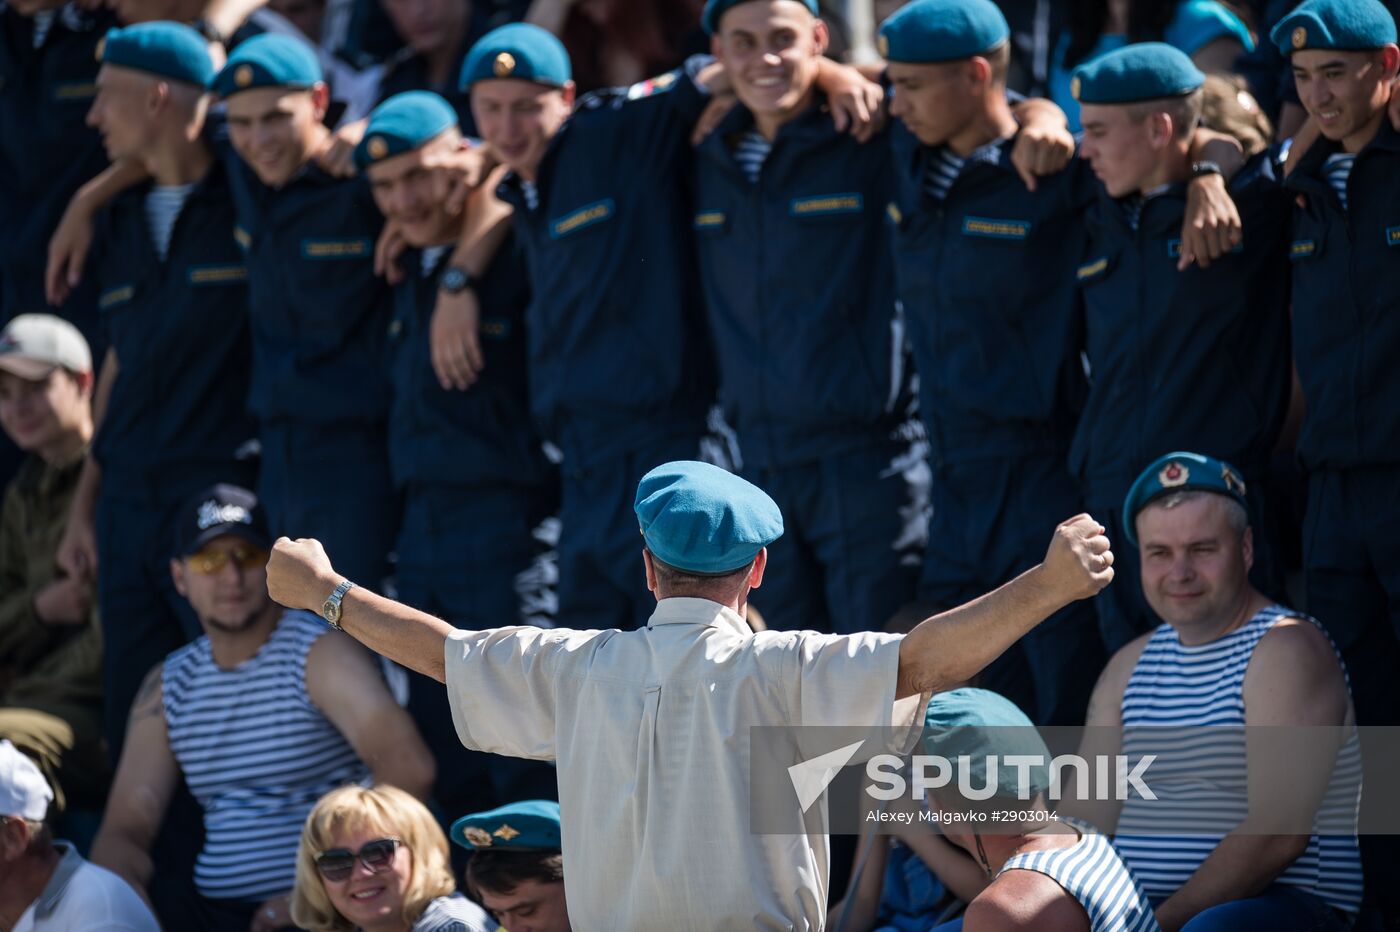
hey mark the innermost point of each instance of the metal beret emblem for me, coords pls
(377, 147)
(883, 45)
(1300, 37)
(503, 65)
(1173, 474)
(479, 837)
(1074, 87)
(100, 48)
(505, 832)
(1232, 482)
(243, 75)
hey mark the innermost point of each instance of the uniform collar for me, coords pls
(53, 891)
(679, 611)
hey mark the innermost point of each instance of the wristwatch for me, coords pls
(330, 609)
(456, 279)
(1205, 167)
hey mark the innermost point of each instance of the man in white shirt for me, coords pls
(651, 728)
(46, 884)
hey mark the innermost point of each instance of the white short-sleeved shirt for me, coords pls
(650, 729)
(84, 896)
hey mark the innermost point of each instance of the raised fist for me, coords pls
(1079, 562)
(299, 574)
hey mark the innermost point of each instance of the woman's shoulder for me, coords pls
(453, 913)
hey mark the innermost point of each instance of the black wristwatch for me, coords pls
(1206, 167)
(456, 280)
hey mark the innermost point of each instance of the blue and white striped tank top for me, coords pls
(1200, 779)
(256, 754)
(1091, 872)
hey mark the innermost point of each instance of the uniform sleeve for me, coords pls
(850, 680)
(22, 635)
(1200, 22)
(650, 116)
(502, 686)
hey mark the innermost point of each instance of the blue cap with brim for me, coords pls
(1344, 25)
(715, 10)
(529, 825)
(931, 31)
(520, 51)
(1179, 472)
(403, 123)
(268, 60)
(1143, 71)
(704, 520)
(981, 724)
(169, 50)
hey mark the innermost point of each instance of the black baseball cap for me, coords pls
(219, 510)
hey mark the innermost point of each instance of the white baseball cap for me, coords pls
(33, 345)
(23, 790)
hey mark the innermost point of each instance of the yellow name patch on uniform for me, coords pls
(81, 90)
(1301, 249)
(1392, 236)
(709, 219)
(217, 274)
(1092, 269)
(826, 204)
(995, 228)
(583, 217)
(115, 296)
(335, 248)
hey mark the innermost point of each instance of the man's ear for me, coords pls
(1160, 129)
(320, 100)
(760, 564)
(570, 92)
(1247, 548)
(651, 569)
(821, 36)
(177, 575)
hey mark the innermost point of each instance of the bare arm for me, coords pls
(77, 549)
(300, 576)
(858, 909)
(1293, 679)
(72, 238)
(141, 791)
(952, 647)
(344, 682)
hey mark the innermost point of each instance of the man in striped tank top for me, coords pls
(260, 717)
(1225, 657)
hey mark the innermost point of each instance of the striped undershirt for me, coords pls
(1338, 170)
(943, 170)
(163, 206)
(751, 151)
(532, 194)
(1186, 704)
(256, 754)
(1091, 872)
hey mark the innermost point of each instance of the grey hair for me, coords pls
(1235, 514)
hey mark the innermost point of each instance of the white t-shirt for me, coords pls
(84, 896)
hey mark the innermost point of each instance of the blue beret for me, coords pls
(1335, 24)
(532, 824)
(520, 51)
(715, 9)
(170, 50)
(981, 724)
(942, 30)
(403, 123)
(268, 60)
(704, 520)
(1177, 472)
(1143, 71)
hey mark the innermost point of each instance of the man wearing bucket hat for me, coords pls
(665, 710)
(1224, 657)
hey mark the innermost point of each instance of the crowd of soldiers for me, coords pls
(445, 328)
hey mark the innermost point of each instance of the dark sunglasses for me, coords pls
(339, 863)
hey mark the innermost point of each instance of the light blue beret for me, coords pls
(942, 30)
(704, 520)
(529, 825)
(1335, 24)
(171, 50)
(403, 123)
(268, 60)
(1177, 472)
(981, 724)
(521, 51)
(1142, 71)
(715, 10)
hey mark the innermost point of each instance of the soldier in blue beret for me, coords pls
(648, 727)
(469, 468)
(1194, 359)
(1346, 335)
(172, 392)
(517, 868)
(1222, 657)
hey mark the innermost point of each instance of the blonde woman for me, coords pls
(374, 859)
